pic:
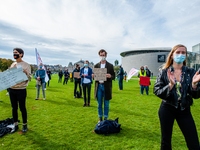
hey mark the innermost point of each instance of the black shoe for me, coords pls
(14, 129)
(84, 105)
(25, 129)
(88, 105)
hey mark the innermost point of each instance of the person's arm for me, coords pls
(195, 85)
(36, 74)
(27, 71)
(162, 87)
(111, 74)
(81, 73)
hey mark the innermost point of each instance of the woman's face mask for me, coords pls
(179, 58)
(40, 67)
(16, 56)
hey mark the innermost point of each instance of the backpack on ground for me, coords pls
(108, 126)
(78, 95)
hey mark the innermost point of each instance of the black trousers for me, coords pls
(167, 115)
(65, 81)
(75, 87)
(18, 96)
(88, 87)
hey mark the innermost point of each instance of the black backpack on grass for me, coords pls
(107, 127)
(78, 95)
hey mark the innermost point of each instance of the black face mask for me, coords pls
(16, 56)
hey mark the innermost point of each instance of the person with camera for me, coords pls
(40, 77)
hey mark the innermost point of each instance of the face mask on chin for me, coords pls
(179, 58)
(102, 58)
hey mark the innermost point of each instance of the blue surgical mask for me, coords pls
(86, 65)
(179, 58)
(40, 67)
(145, 68)
(103, 58)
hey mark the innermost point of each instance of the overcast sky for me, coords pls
(66, 31)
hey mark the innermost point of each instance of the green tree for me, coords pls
(116, 62)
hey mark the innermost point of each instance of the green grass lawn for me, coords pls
(61, 122)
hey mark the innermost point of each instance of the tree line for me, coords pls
(6, 63)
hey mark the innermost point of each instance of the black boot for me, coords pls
(25, 129)
(14, 129)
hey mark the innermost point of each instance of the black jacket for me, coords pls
(148, 73)
(161, 88)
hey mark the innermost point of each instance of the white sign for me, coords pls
(11, 77)
(132, 72)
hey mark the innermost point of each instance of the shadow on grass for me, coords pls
(68, 102)
(44, 142)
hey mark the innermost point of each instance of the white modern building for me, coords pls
(154, 58)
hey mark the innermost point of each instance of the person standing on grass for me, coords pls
(40, 76)
(66, 76)
(125, 74)
(49, 75)
(60, 74)
(121, 77)
(103, 89)
(18, 92)
(77, 81)
(148, 72)
(177, 85)
(86, 81)
(142, 73)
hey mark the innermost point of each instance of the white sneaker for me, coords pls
(44, 88)
(7, 93)
(43, 98)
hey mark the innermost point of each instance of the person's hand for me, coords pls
(38, 78)
(13, 66)
(83, 75)
(108, 75)
(171, 79)
(92, 75)
(25, 71)
(195, 79)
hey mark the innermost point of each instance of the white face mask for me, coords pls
(102, 58)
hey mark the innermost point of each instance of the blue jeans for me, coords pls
(38, 90)
(142, 87)
(100, 98)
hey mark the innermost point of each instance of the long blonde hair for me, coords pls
(170, 60)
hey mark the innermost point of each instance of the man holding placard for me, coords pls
(103, 76)
(17, 92)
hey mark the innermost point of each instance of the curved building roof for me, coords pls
(145, 50)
